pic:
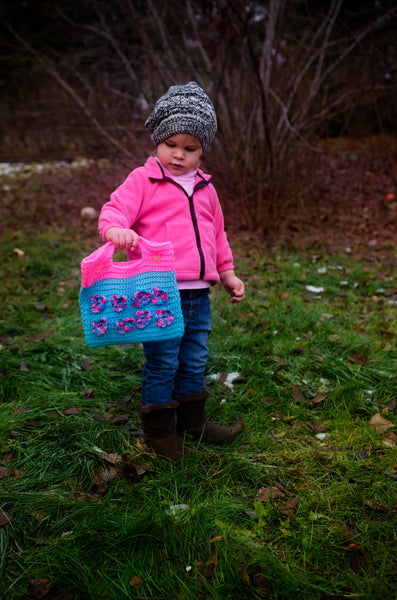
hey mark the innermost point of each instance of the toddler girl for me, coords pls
(171, 199)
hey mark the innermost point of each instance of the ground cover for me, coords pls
(302, 504)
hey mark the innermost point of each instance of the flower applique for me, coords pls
(158, 296)
(141, 298)
(97, 303)
(164, 318)
(143, 318)
(99, 327)
(125, 326)
(119, 303)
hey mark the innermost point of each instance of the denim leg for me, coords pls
(193, 353)
(181, 360)
(159, 370)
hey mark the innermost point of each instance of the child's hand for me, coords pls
(122, 238)
(233, 285)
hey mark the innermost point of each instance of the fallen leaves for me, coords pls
(264, 494)
(136, 582)
(358, 359)
(390, 439)
(86, 364)
(115, 466)
(379, 423)
(73, 410)
(45, 589)
(271, 493)
(4, 472)
(39, 587)
(289, 508)
(299, 398)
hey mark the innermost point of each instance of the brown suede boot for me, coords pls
(191, 420)
(159, 427)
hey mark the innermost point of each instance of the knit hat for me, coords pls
(183, 109)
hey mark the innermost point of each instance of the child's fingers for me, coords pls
(134, 240)
(237, 295)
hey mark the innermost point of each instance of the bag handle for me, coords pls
(149, 250)
(157, 256)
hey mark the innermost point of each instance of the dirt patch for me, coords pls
(353, 198)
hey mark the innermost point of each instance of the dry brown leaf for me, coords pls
(390, 439)
(99, 483)
(358, 359)
(319, 397)
(281, 362)
(288, 509)
(136, 582)
(4, 472)
(41, 336)
(74, 410)
(320, 427)
(334, 337)
(86, 363)
(244, 577)
(132, 470)
(104, 475)
(6, 458)
(207, 569)
(21, 409)
(379, 423)
(39, 515)
(264, 494)
(112, 459)
(39, 588)
(297, 395)
(261, 583)
(217, 538)
(120, 420)
(389, 407)
(89, 497)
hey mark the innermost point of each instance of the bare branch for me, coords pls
(52, 70)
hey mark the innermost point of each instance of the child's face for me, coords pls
(180, 153)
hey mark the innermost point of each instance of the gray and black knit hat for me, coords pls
(183, 109)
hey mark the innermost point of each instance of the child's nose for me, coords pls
(178, 152)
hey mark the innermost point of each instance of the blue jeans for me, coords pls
(178, 364)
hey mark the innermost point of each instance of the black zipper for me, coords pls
(193, 216)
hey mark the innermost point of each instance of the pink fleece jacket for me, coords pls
(158, 209)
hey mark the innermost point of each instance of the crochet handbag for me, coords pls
(132, 301)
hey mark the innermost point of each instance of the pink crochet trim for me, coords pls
(99, 265)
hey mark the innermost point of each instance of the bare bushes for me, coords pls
(281, 75)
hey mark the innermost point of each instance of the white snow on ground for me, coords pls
(26, 169)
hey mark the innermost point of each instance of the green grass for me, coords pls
(307, 364)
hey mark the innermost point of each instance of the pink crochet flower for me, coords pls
(143, 318)
(97, 303)
(164, 318)
(99, 327)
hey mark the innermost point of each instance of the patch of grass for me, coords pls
(302, 504)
